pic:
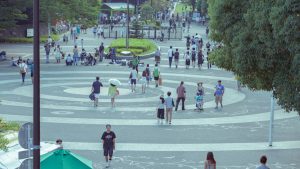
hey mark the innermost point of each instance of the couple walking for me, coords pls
(112, 91)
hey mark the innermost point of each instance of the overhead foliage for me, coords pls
(260, 44)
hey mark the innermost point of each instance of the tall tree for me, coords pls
(260, 44)
(10, 12)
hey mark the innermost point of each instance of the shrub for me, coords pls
(43, 39)
(136, 46)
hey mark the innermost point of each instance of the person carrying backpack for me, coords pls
(148, 75)
(156, 74)
(23, 70)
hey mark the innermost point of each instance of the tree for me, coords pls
(260, 44)
(191, 3)
(10, 12)
(147, 12)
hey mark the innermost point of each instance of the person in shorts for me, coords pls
(148, 76)
(133, 77)
(187, 59)
(96, 90)
(161, 110)
(219, 94)
(156, 74)
(109, 142)
(176, 57)
(199, 101)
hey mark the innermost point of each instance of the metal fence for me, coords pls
(145, 32)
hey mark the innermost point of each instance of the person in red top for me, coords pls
(180, 95)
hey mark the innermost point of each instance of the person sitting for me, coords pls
(3, 55)
(69, 60)
(19, 60)
(13, 62)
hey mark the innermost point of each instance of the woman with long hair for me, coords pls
(210, 162)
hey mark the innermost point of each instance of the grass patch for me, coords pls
(4, 127)
(136, 46)
(43, 39)
(179, 7)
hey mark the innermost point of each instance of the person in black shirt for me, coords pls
(176, 57)
(108, 140)
(96, 90)
(101, 52)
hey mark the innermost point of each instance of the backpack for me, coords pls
(22, 69)
(155, 72)
(193, 54)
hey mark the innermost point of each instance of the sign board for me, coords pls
(25, 154)
(25, 135)
(28, 163)
(29, 33)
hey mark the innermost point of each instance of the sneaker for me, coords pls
(216, 107)
(107, 165)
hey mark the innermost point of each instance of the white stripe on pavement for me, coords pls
(280, 145)
(279, 114)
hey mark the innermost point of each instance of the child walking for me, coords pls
(161, 110)
(199, 101)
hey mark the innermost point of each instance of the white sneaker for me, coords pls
(107, 165)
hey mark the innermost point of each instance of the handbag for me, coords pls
(92, 96)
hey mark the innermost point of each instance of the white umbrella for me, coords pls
(115, 82)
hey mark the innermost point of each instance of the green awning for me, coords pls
(64, 159)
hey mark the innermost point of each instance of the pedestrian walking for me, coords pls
(200, 59)
(210, 162)
(101, 52)
(169, 102)
(96, 90)
(144, 81)
(207, 31)
(148, 76)
(263, 161)
(193, 57)
(47, 50)
(31, 67)
(133, 78)
(219, 92)
(170, 56)
(181, 95)
(95, 31)
(200, 90)
(157, 56)
(75, 55)
(187, 59)
(156, 74)
(113, 92)
(109, 143)
(23, 70)
(176, 57)
(161, 110)
(208, 60)
(57, 55)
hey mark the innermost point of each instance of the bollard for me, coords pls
(116, 34)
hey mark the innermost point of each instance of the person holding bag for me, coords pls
(23, 70)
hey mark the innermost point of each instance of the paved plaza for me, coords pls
(237, 134)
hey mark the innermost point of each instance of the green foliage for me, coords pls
(10, 12)
(147, 12)
(77, 11)
(191, 3)
(43, 39)
(136, 46)
(4, 127)
(260, 44)
(181, 6)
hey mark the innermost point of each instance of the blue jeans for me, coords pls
(170, 61)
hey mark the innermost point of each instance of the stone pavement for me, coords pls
(237, 134)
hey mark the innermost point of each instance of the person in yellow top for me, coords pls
(113, 92)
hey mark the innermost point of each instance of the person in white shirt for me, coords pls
(187, 59)
(133, 77)
(170, 55)
(23, 70)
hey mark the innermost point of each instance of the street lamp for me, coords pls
(127, 32)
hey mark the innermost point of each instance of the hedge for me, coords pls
(136, 46)
(43, 39)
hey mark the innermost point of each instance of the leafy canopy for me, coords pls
(260, 44)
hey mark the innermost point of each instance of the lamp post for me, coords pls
(127, 32)
(36, 84)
